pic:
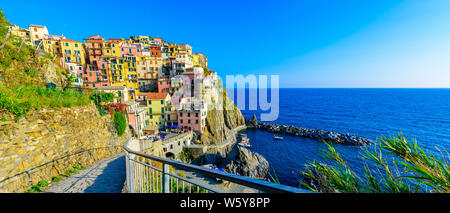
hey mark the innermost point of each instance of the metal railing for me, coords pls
(151, 174)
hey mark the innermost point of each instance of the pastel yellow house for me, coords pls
(19, 32)
(123, 72)
(200, 60)
(73, 51)
(112, 48)
(159, 107)
(52, 45)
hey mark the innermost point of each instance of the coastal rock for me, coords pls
(237, 161)
(254, 120)
(248, 163)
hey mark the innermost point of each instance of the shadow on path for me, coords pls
(111, 179)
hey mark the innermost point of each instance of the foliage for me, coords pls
(274, 177)
(401, 167)
(56, 178)
(120, 123)
(116, 107)
(39, 187)
(102, 97)
(22, 67)
(186, 155)
(20, 100)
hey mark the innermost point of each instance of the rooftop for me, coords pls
(156, 95)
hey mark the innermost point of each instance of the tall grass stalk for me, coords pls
(401, 166)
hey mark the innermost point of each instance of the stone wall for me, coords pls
(48, 142)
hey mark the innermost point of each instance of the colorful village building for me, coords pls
(37, 33)
(161, 113)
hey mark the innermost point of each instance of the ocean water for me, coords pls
(421, 114)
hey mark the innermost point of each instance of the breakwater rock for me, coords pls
(328, 136)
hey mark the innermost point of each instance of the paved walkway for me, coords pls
(107, 176)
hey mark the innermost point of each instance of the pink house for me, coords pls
(131, 49)
(164, 86)
(192, 120)
(192, 115)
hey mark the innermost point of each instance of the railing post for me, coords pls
(165, 179)
(130, 171)
(127, 167)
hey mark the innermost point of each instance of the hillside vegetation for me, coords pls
(24, 74)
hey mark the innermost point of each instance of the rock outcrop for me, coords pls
(248, 164)
(221, 122)
(238, 161)
(328, 136)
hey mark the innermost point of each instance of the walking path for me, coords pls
(107, 176)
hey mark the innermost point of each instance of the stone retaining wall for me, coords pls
(48, 142)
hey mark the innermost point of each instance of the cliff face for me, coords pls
(221, 122)
(47, 142)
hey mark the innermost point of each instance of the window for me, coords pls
(76, 45)
(162, 102)
(196, 114)
(181, 120)
(181, 114)
(149, 102)
(189, 114)
(196, 121)
(189, 121)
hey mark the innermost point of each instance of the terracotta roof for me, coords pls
(70, 40)
(156, 95)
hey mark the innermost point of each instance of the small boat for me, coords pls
(277, 137)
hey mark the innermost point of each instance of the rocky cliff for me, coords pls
(221, 122)
(48, 142)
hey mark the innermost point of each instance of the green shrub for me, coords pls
(42, 183)
(120, 123)
(56, 178)
(20, 100)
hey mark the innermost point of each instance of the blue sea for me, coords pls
(421, 114)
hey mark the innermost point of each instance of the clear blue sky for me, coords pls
(345, 43)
